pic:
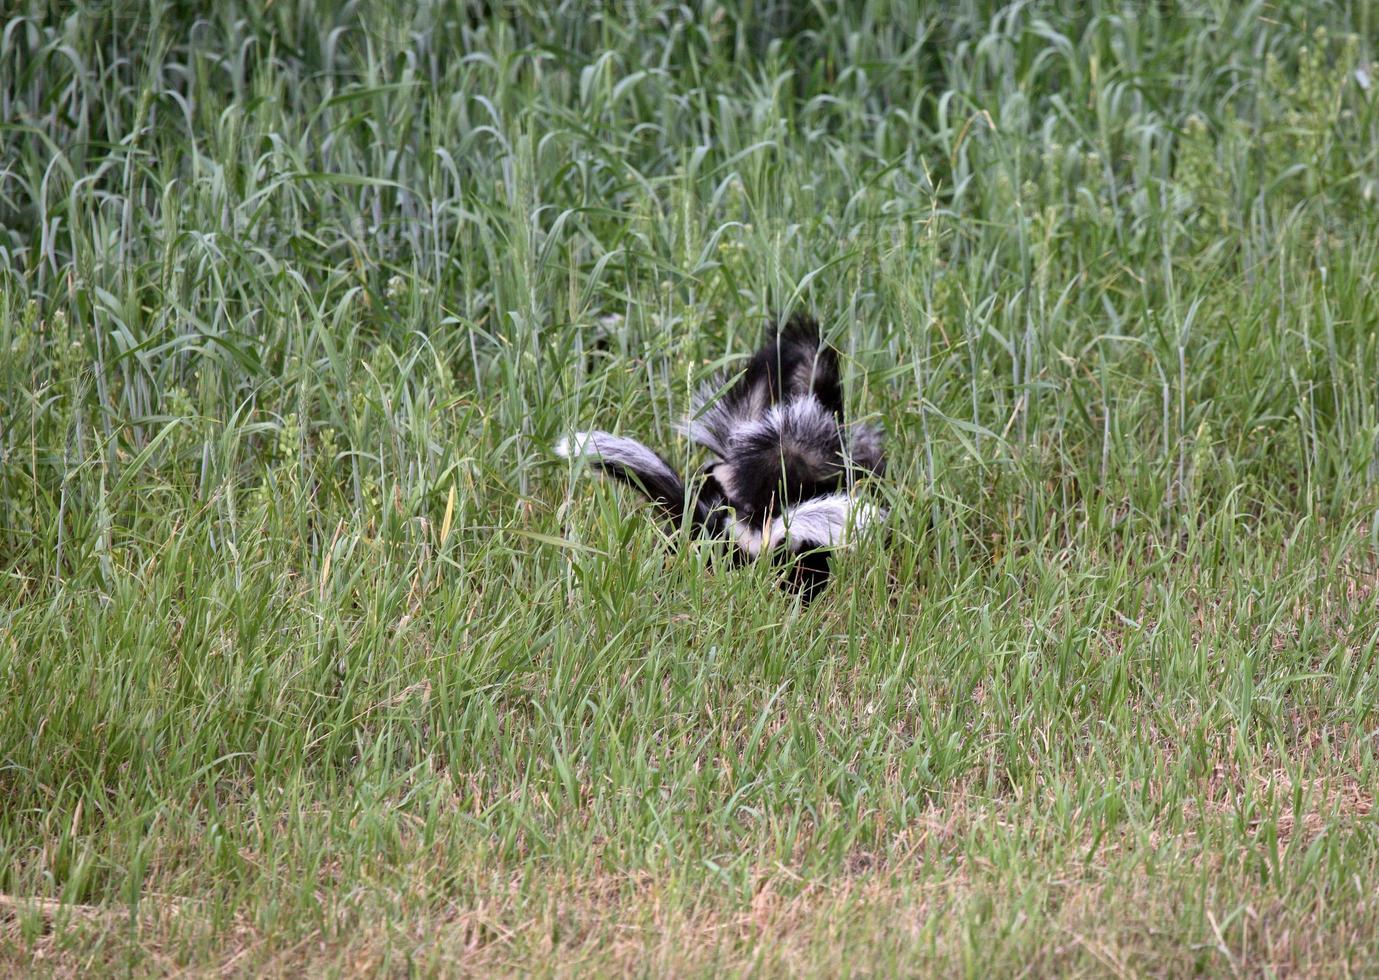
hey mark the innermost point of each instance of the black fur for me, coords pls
(796, 362)
(779, 441)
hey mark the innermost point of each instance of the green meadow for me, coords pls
(315, 660)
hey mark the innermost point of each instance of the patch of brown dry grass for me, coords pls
(931, 901)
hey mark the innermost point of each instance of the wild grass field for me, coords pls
(315, 660)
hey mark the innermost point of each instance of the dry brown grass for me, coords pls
(934, 900)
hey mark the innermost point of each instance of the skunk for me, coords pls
(780, 479)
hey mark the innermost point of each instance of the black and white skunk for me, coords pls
(784, 460)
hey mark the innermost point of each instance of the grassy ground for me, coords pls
(313, 658)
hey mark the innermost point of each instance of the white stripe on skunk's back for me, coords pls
(830, 521)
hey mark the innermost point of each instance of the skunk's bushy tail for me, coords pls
(631, 462)
(792, 363)
(642, 467)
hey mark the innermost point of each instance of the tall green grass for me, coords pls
(313, 657)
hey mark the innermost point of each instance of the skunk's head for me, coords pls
(793, 452)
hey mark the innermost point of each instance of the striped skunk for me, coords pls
(783, 459)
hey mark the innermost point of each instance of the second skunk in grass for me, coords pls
(780, 481)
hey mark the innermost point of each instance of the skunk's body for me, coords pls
(783, 456)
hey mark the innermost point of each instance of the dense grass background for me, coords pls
(313, 658)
